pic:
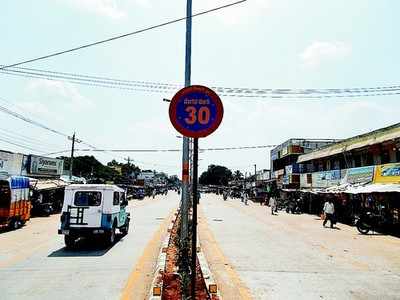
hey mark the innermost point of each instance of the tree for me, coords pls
(238, 175)
(216, 175)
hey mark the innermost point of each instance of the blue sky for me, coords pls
(261, 44)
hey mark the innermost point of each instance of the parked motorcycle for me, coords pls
(370, 221)
(293, 207)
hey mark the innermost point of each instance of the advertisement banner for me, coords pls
(359, 175)
(46, 166)
(326, 179)
(388, 173)
(284, 151)
(285, 180)
(10, 163)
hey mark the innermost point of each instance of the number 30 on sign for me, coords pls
(196, 111)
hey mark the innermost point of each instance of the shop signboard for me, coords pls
(326, 178)
(10, 163)
(359, 175)
(292, 169)
(284, 151)
(40, 165)
(285, 180)
(289, 169)
(274, 156)
(388, 173)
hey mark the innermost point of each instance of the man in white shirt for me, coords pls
(329, 210)
(272, 204)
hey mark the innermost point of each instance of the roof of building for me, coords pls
(371, 138)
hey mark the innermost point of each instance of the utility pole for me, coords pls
(255, 175)
(185, 158)
(71, 161)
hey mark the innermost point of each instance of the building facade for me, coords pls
(284, 166)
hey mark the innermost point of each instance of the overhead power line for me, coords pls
(165, 150)
(20, 145)
(169, 88)
(123, 35)
(38, 124)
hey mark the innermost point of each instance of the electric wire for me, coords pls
(26, 142)
(167, 88)
(20, 145)
(123, 35)
(165, 150)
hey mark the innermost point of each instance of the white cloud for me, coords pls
(61, 94)
(237, 14)
(106, 8)
(319, 52)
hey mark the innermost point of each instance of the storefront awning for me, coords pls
(374, 188)
(42, 185)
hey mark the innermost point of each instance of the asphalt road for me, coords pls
(293, 256)
(35, 265)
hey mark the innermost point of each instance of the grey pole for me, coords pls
(185, 149)
(194, 219)
(71, 162)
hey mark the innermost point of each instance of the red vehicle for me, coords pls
(15, 207)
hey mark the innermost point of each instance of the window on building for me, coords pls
(369, 159)
(385, 157)
(357, 161)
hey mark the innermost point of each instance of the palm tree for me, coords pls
(237, 175)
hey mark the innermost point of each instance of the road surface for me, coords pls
(35, 265)
(258, 256)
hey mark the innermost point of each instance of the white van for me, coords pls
(93, 209)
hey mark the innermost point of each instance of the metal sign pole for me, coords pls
(185, 156)
(194, 218)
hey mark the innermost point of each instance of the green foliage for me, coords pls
(90, 168)
(216, 175)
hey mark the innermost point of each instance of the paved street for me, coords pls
(260, 256)
(35, 265)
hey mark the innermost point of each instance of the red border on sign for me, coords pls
(214, 98)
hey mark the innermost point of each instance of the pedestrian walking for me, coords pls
(154, 193)
(272, 204)
(246, 198)
(329, 210)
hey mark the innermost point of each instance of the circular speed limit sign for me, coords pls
(196, 111)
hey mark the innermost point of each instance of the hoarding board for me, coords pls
(388, 173)
(10, 163)
(326, 178)
(359, 175)
(46, 166)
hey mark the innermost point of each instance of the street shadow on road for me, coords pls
(86, 248)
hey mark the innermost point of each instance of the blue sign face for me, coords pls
(196, 111)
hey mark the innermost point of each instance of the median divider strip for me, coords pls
(157, 283)
(210, 283)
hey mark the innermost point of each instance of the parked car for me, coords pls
(93, 210)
